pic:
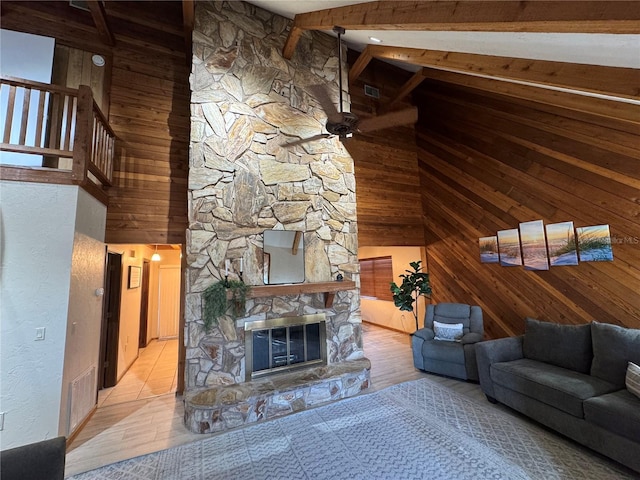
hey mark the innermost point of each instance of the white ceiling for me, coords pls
(595, 49)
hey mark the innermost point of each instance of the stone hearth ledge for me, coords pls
(224, 407)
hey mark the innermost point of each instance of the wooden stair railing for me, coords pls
(64, 126)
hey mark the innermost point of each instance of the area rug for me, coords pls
(415, 430)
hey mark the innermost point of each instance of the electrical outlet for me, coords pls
(1, 421)
(40, 331)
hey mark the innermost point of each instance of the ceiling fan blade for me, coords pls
(306, 140)
(392, 119)
(321, 94)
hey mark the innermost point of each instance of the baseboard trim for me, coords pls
(386, 327)
(73, 435)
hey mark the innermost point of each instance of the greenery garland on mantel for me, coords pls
(216, 302)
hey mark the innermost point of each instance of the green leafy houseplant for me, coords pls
(216, 302)
(414, 283)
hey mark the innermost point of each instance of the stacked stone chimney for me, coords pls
(246, 102)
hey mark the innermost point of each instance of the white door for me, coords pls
(168, 301)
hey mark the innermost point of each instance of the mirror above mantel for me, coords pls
(283, 257)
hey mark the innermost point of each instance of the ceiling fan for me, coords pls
(345, 124)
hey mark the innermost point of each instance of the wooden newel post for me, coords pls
(83, 143)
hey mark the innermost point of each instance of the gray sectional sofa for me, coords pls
(571, 379)
(42, 460)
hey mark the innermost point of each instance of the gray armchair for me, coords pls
(451, 358)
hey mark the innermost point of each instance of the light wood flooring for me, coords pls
(139, 426)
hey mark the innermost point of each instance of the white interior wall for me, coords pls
(37, 224)
(385, 313)
(85, 301)
(130, 303)
(27, 56)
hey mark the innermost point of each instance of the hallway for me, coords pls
(154, 373)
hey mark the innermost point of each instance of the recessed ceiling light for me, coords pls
(374, 39)
(98, 60)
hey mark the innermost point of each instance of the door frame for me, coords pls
(110, 328)
(144, 304)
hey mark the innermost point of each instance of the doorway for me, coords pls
(149, 318)
(108, 375)
(144, 305)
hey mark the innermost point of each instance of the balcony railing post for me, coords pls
(82, 143)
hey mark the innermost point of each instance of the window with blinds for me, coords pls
(375, 276)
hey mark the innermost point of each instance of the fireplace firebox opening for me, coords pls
(283, 344)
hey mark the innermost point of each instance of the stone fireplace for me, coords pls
(246, 102)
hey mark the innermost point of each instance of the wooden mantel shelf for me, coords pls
(328, 288)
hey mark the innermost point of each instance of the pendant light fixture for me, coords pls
(156, 256)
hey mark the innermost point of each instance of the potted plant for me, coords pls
(216, 301)
(414, 284)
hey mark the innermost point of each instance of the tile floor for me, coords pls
(154, 373)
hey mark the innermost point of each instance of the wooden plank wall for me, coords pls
(489, 162)
(73, 67)
(150, 115)
(386, 166)
(149, 108)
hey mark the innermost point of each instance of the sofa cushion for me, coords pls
(618, 412)
(613, 348)
(567, 346)
(558, 387)
(443, 351)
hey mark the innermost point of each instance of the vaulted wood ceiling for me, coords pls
(558, 16)
(620, 17)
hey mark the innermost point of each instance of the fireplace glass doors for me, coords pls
(284, 343)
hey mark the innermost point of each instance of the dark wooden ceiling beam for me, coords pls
(360, 64)
(409, 86)
(614, 81)
(558, 16)
(292, 41)
(100, 19)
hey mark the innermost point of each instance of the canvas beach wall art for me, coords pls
(594, 244)
(489, 249)
(561, 240)
(509, 248)
(538, 246)
(534, 246)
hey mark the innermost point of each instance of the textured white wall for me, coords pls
(85, 307)
(30, 57)
(37, 230)
(130, 303)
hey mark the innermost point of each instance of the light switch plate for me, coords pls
(40, 331)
